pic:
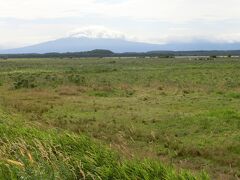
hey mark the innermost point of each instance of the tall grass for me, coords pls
(30, 153)
(186, 112)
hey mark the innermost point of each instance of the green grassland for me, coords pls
(121, 118)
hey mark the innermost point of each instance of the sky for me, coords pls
(26, 22)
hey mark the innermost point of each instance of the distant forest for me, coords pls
(107, 53)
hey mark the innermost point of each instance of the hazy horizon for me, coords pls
(29, 22)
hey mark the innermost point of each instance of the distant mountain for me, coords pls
(200, 45)
(84, 44)
(79, 44)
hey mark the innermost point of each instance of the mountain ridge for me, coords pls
(81, 44)
(72, 44)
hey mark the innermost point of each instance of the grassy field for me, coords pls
(99, 118)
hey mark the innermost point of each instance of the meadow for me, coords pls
(106, 118)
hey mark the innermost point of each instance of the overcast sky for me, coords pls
(25, 22)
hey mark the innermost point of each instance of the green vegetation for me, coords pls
(56, 112)
(28, 153)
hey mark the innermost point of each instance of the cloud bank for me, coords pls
(97, 32)
(25, 22)
(174, 10)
